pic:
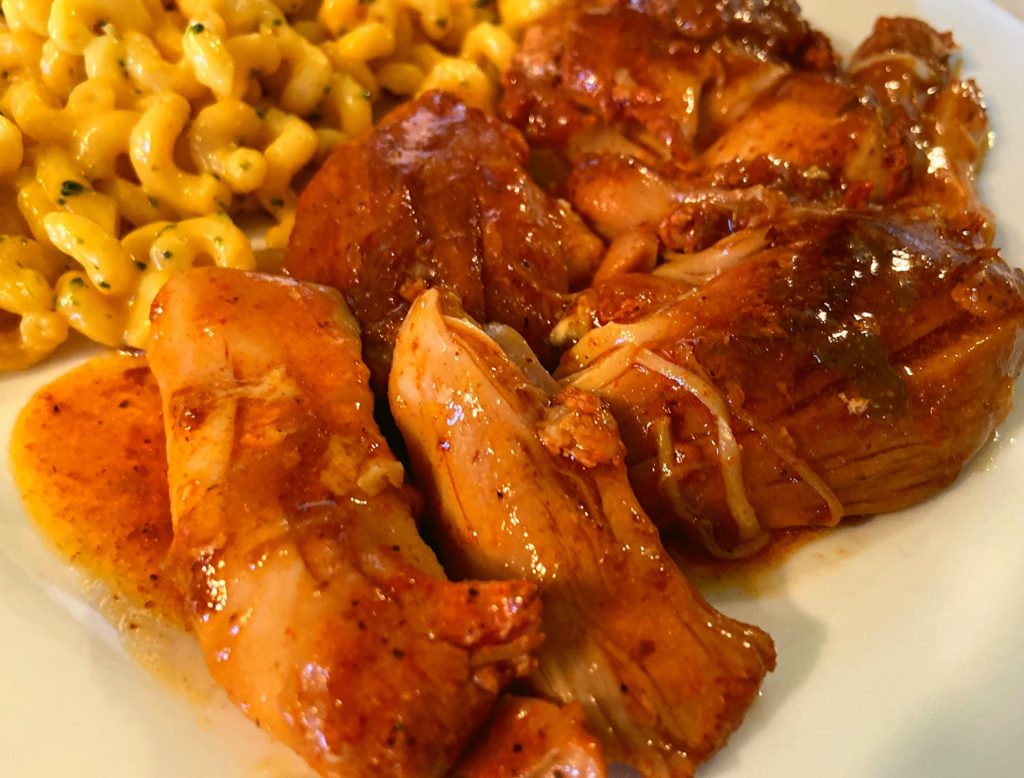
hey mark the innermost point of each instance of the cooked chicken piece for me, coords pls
(678, 117)
(823, 129)
(809, 140)
(664, 72)
(531, 738)
(437, 195)
(317, 605)
(527, 480)
(619, 195)
(911, 68)
(848, 364)
(906, 62)
(768, 28)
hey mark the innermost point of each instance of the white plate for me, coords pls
(899, 639)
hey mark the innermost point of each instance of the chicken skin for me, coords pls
(845, 364)
(437, 195)
(527, 480)
(316, 604)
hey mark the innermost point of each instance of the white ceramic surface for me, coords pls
(899, 639)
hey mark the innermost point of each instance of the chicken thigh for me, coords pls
(437, 195)
(841, 364)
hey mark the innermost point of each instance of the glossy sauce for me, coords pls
(754, 576)
(88, 457)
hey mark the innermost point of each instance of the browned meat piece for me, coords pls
(817, 124)
(531, 738)
(905, 62)
(661, 70)
(677, 116)
(941, 118)
(619, 195)
(528, 480)
(850, 365)
(316, 604)
(809, 140)
(767, 27)
(617, 66)
(436, 196)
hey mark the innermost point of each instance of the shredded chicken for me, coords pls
(317, 605)
(663, 677)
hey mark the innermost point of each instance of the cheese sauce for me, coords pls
(88, 456)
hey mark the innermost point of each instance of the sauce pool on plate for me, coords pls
(88, 456)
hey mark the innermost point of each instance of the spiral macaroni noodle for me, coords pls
(139, 138)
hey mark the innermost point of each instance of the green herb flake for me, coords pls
(277, 202)
(153, 201)
(71, 188)
(168, 253)
(197, 28)
(141, 265)
(77, 283)
(367, 94)
(103, 285)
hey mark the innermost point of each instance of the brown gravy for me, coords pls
(88, 457)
